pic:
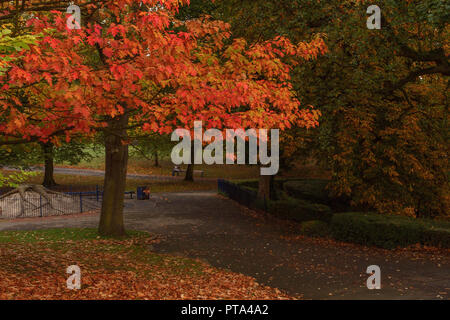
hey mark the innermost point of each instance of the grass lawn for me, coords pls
(231, 172)
(89, 182)
(33, 266)
(138, 165)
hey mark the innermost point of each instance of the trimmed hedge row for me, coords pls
(315, 228)
(299, 210)
(388, 231)
(253, 183)
(371, 229)
(313, 190)
(287, 207)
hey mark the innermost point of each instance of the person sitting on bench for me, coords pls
(176, 170)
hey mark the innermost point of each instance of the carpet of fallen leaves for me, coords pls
(117, 269)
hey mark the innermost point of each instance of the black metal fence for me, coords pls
(240, 194)
(33, 205)
(65, 203)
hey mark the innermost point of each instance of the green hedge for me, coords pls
(436, 237)
(299, 210)
(388, 231)
(313, 190)
(315, 228)
(253, 183)
(371, 229)
(287, 207)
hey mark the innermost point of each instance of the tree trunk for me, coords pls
(266, 188)
(47, 149)
(189, 173)
(116, 161)
(156, 158)
(190, 169)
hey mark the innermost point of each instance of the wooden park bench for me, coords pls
(131, 193)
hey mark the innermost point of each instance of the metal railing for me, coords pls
(34, 205)
(52, 205)
(239, 194)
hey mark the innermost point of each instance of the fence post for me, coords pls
(40, 205)
(96, 191)
(81, 203)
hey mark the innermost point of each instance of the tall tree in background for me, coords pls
(152, 147)
(26, 155)
(72, 152)
(47, 151)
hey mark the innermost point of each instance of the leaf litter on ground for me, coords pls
(116, 269)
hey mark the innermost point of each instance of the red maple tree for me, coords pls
(133, 66)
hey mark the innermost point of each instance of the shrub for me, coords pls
(388, 231)
(315, 228)
(313, 190)
(251, 184)
(436, 237)
(299, 210)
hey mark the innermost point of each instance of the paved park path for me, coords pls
(217, 230)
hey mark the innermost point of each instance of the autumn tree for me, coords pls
(384, 98)
(134, 65)
(14, 38)
(10, 44)
(383, 94)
